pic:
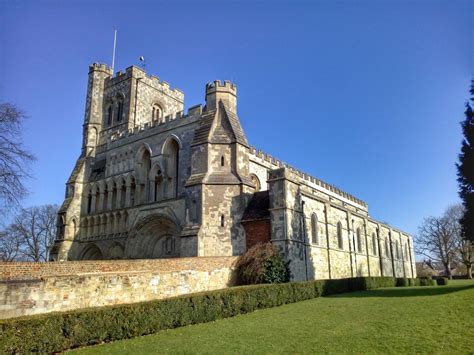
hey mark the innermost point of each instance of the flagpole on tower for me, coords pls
(113, 54)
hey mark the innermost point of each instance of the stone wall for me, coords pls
(33, 288)
(327, 238)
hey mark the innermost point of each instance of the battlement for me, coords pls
(194, 112)
(304, 176)
(217, 91)
(149, 79)
(218, 86)
(100, 67)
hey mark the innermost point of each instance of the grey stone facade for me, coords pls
(153, 182)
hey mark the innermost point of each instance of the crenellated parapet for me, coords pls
(193, 113)
(276, 163)
(147, 79)
(100, 67)
(218, 91)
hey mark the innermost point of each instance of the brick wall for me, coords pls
(258, 231)
(33, 288)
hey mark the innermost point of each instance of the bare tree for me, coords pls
(14, 158)
(465, 248)
(11, 245)
(466, 252)
(37, 228)
(437, 240)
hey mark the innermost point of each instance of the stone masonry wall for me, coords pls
(325, 238)
(33, 288)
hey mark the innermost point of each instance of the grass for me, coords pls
(431, 320)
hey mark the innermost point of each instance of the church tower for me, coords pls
(98, 73)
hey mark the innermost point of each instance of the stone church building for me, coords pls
(154, 182)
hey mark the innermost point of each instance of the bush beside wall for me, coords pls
(55, 332)
(441, 281)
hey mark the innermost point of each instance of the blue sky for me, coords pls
(366, 95)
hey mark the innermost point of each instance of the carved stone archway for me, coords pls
(91, 252)
(154, 237)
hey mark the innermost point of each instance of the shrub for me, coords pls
(262, 264)
(402, 281)
(427, 282)
(441, 281)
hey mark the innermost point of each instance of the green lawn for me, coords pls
(392, 320)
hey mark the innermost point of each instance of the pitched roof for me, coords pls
(219, 126)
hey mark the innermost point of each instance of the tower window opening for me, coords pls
(109, 115)
(222, 161)
(119, 111)
(222, 220)
(156, 112)
(340, 244)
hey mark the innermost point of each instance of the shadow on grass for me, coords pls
(407, 291)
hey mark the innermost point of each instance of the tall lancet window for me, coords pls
(156, 112)
(314, 228)
(119, 110)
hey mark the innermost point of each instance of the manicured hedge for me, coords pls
(427, 282)
(441, 281)
(54, 332)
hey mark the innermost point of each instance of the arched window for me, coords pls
(156, 112)
(119, 110)
(143, 175)
(256, 182)
(340, 243)
(222, 161)
(222, 220)
(171, 153)
(359, 241)
(374, 244)
(73, 228)
(109, 115)
(89, 202)
(314, 228)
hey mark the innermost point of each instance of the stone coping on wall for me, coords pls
(10, 271)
